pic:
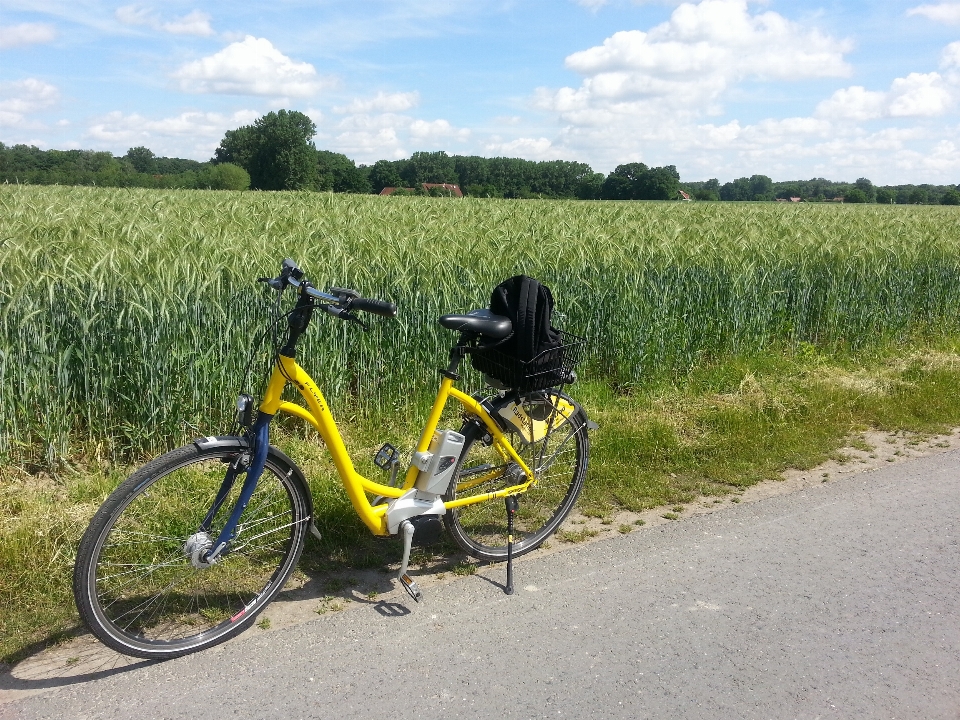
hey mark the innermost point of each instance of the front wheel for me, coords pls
(137, 581)
(559, 463)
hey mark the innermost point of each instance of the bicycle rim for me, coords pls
(136, 586)
(559, 462)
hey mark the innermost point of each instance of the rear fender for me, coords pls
(494, 404)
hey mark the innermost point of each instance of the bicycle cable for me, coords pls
(272, 328)
(255, 346)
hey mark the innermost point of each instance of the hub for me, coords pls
(196, 548)
(514, 474)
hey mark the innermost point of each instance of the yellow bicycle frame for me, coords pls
(318, 414)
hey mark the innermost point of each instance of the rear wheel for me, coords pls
(559, 462)
(137, 582)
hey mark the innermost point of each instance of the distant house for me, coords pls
(796, 199)
(451, 188)
(681, 195)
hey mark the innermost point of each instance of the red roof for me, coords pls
(453, 188)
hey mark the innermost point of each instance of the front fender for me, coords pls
(234, 442)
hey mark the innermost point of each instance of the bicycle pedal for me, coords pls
(410, 585)
(386, 457)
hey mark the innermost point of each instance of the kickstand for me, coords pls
(512, 505)
(409, 584)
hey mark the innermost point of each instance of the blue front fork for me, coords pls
(260, 446)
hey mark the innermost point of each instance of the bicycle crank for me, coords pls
(409, 584)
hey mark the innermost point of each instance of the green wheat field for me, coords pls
(127, 316)
(726, 341)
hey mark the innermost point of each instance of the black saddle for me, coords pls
(479, 322)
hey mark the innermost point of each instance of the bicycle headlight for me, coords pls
(244, 409)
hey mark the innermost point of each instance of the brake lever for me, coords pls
(357, 320)
(344, 314)
(275, 283)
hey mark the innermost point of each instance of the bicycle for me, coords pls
(188, 550)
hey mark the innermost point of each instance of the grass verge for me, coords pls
(723, 426)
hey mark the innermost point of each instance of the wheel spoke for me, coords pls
(277, 529)
(144, 571)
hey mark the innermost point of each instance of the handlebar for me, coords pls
(342, 299)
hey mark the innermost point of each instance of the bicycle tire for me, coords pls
(480, 529)
(134, 583)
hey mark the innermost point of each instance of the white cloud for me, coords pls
(135, 15)
(435, 130)
(804, 147)
(368, 146)
(382, 102)
(916, 95)
(193, 23)
(376, 128)
(950, 57)
(722, 136)
(21, 98)
(946, 12)
(592, 4)
(944, 159)
(894, 158)
(250, 67)
(699, 53)
(919, 95)
(367, 123)
(774, 132)
(853, 103)
(644, 94)
(528, 148)
(644, 91)
(202, 131)
(620, 113)
(26, 34)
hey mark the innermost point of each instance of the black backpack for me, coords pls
(532, 355)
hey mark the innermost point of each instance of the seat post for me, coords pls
(457, 353)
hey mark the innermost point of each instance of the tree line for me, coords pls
(761, 188)
(277, 152)
(27, 164)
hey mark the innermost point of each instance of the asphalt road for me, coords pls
(839, 601)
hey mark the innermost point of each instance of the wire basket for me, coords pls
(551, 368)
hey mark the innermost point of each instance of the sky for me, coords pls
(840, 89)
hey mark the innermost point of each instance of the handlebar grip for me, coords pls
(377, 307)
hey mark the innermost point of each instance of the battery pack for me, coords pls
(438, 463)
